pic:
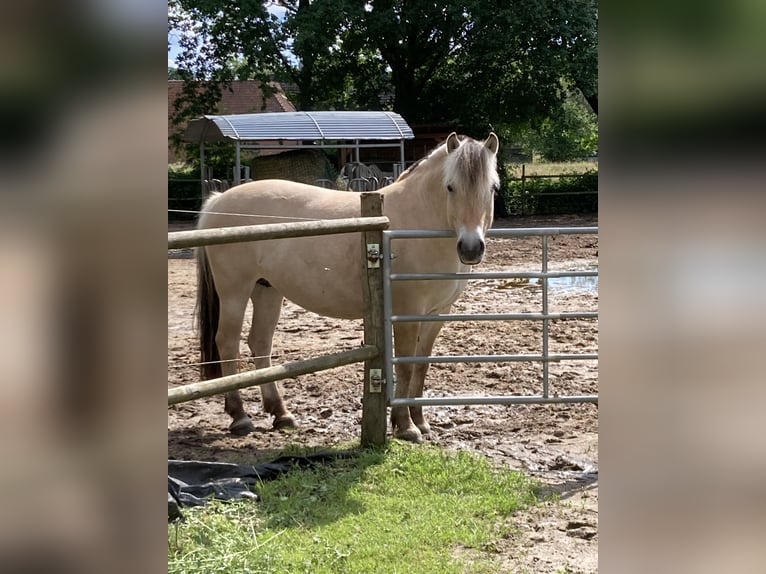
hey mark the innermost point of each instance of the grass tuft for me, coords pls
(404, 508)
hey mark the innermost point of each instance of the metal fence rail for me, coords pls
(545, 357)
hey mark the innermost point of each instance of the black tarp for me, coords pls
(194, 482)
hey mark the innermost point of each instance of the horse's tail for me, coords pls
(207, 312)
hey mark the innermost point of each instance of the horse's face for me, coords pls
(470, 182)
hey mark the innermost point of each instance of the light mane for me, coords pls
(428, 161)
(469, 163)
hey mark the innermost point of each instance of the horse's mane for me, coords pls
(408, 172)
(470, 157)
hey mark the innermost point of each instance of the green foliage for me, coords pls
(219, 159)
(184, 191)
(509, 68)
(569, 132)
(404, 509)
(575, 193)
(220, 41)
(475, 63)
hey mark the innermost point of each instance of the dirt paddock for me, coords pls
(556, 443)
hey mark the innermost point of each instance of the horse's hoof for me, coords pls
(425, 430)
(410, 434)
(285, 422)
(242, 427)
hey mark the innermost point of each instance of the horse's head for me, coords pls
(470, 183)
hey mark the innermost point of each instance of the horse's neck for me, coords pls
(416, 203)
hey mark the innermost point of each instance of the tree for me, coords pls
(220, 41)
(516, 61)
(570, 132)
(472, 62)
(413, 38)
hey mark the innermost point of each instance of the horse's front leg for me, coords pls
(425, 344)
(405, 342)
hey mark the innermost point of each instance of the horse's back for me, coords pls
(319, 273)
(278, 201)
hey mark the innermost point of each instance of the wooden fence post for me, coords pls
(523, 178)
(374, 408)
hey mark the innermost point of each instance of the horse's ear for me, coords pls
(492, 143)
(452, 142)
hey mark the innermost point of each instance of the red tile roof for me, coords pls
(245, 97)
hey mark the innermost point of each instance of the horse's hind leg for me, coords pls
(227, 340)
(267, 306)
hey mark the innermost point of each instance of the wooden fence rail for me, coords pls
(371, 225)
(218, 236)
(290, 370)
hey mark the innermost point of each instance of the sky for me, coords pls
(173, 53)
(278, 11)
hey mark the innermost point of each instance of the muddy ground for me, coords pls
(556, 443)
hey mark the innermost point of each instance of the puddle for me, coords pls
(568, 284)
(555, 284)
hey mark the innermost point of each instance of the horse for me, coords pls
(451, 188)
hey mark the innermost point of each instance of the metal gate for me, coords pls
(545, 357)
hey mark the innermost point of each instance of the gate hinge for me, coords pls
(373, 255)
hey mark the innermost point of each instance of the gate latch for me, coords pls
(373, 255)
(376, 380)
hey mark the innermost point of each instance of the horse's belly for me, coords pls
(325, 300)
(319, 274)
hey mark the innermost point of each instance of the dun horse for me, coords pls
(452, 188)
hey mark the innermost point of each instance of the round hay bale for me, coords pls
(303, 166)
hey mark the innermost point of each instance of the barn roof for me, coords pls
(314, 126)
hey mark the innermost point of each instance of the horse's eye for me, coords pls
(449, 188)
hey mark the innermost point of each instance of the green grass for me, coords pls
(553, 168)
(399, 510)
(573, 188)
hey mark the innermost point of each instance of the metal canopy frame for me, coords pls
(327, 129)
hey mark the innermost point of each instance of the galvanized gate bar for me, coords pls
(527, 231)
(555, 358)
(491, 275)
(492, 400)
(545, 316)
(545, 312)
(388, 327)
(497, 317)
(514, 232)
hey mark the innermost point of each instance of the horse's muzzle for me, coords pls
(470, 251)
